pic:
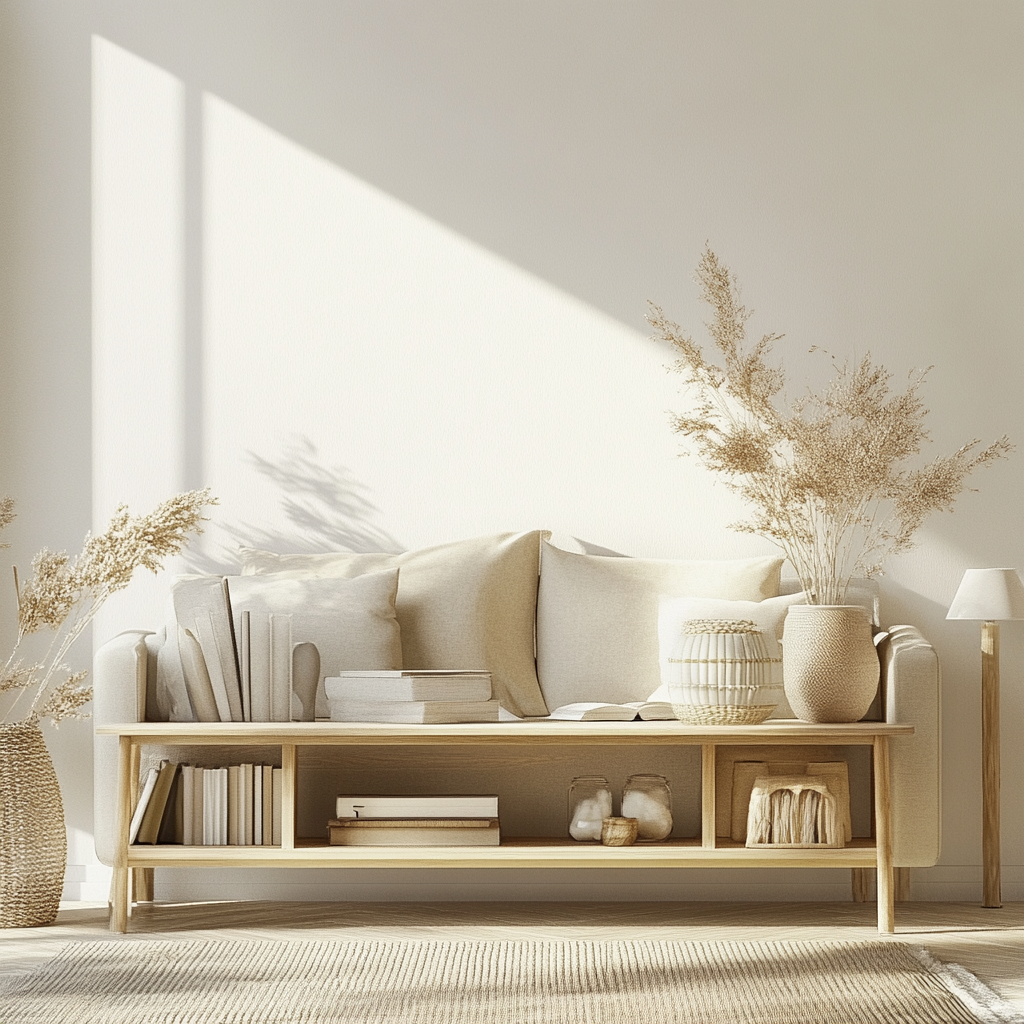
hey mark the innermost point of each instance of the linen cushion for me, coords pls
(597, 617)
(464, 605)
(352, 622)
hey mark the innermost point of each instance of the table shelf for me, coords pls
(704, 851)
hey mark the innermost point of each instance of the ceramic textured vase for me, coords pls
(829, 663)
(33, 841)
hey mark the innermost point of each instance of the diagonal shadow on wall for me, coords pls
(325, 508)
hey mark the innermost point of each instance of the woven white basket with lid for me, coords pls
(721, 674)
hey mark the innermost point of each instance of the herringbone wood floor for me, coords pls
(990, 943)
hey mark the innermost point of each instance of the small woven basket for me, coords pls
(722, 674)
(723, 714)
(33, 840)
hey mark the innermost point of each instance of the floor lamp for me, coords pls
(990, 595)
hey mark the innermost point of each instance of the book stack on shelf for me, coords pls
(412, 697)
(237, 805)
(415, 821)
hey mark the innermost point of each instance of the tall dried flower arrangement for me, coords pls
(64, 595)
(826, 474)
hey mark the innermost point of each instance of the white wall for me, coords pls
(419, 239)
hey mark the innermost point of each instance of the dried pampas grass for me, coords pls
(63, 595)
(827, 474)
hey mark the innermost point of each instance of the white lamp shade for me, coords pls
(988, 594)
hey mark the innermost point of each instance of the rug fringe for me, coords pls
(987, 1004)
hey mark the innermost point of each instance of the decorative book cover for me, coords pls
(447, 806)
(149, 830)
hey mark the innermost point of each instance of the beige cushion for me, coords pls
(769, 616)
(597, 617)
(469, 604)
(352, 622)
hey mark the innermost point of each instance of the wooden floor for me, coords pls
(990, 943)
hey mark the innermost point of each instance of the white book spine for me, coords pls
(234, 794)
(257, 805)
(244, 671)
(197, 807)
(268, 805)
(140, 808)
(281, 667)
(187, 785)
(210, 785)
(278, 791)
(204, 631)
(222, 824)
(259, 666)
(197, 678)
(246, 805)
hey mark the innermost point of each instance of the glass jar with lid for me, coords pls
(648, 799)
(590, 802)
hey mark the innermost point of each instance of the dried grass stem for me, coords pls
(827, 475)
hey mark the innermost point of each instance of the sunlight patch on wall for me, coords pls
(138, 227)
(466, 394)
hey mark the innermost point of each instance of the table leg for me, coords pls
(860, 882)
(707, 797)
(142, 885)
(119, 886)
(289, 780)
(883, 836)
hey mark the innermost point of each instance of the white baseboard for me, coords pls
(947, 883)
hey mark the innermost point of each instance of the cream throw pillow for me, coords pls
(469, 604)
(352, 622)
(597, 617)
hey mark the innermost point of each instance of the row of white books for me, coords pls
(236, 805)
(415, 821)
(413, 697)
(251, 672)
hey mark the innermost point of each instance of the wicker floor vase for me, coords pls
(830, 665)
(33, 840)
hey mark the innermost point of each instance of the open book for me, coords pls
(595, 711)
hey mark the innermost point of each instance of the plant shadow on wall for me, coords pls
(325, 508)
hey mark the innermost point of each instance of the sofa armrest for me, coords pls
(911, 695)
(120, 675)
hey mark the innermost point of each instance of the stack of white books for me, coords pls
(412, 697)
(415, 821)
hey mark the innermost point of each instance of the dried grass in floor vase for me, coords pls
(498, 982)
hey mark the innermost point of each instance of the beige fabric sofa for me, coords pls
(514, 604)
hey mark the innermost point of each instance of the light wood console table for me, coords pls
(545, 852)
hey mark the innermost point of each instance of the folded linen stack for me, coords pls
(413, 697)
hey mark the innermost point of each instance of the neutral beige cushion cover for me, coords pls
(352, 622)
(597, 617)
(469, 604)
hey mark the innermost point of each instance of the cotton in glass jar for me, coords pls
(590, 802)
(648, 799)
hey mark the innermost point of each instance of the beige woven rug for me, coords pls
(501, 982)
